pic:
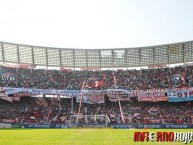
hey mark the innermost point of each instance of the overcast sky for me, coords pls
(96, 23)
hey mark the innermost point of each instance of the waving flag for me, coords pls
(98, 83)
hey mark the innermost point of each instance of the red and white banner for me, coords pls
(157, 65)
(65, 69)
(3, 96)
(152, 95)
(91, 97)
(24, 66)
(9, 121)
(6, 98)
(90, 68)
(10, 65)
(114, 94)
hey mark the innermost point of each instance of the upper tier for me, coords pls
(97, 58)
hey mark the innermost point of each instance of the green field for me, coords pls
(79, 136)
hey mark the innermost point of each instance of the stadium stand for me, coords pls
(29, 110)
(132, 79)
(124, 109)
(35, 110)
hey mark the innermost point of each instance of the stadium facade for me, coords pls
(97, 58)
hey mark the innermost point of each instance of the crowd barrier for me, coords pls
(116, 126)
(15, 126)
(154, 126)
(37, 125)
(5, 125)
(57, 125)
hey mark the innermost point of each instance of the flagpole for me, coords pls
(121, 110)
(122, 116)
(80, 100)
(59, 106)
(72, 104)
(49, 109)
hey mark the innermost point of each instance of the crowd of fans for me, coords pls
(39, 110)
(33, 109)
(43, 109)
(72, 80)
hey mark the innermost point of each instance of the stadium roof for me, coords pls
(97, 58)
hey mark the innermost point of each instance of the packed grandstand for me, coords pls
(159, 94)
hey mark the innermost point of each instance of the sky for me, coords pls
(96, 23)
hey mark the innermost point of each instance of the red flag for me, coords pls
(98, 83)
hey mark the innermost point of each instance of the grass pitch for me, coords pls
(83, 136)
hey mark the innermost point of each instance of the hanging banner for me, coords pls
(91, 97)
(152, 95)
(3, 96)
(17, 92)
(9, 121)
(176, 95)
(123, 95)
(96, 96)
